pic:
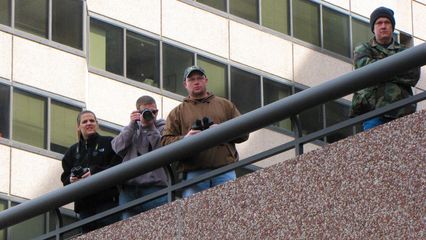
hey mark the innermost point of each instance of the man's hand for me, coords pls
(192, 132)
(135, 116)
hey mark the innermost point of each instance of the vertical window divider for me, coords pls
(124, 52)
(290, 7)
(48, 122)
(85, 27)
(321, 27)
(227, 6)
(160, 52)
(259, 10)
(228, 66)
(49, 20)
(12, 14)
(11, 113)
(351, 42)
(262, 101)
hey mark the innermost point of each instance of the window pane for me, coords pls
(335, 113)
(306, 21)
(336, 32)
(217, 75)
(361, 32)
(4, 111)
(175, 61)
(106, 131)
(106, 47)
(67, 22)
(31, 16)
(245, 90)
(3, 206)
(143, 59)
(218, 4)
(67, 220)
(274, 91)
(28, 229)
(247, 9)
(311, 120)
(275, 15)
(63, 126)
(5, 14)
(29, 118)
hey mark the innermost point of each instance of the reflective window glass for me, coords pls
(28, 229)
(29, 118)
(4, 111)
(335, 113)
(67, 220)
(106, 47)
(217, 74)
(143, 59)
(361, 32)
(247, 9)
(175, 61)
(5, 12)
(106, 131)
(245, 90)
(312, 119)
(63, 126)
(306, 21)
(275, 15)
(31, 16)
(274, 91)
(218, 4)
(67, 22)
(336, 32)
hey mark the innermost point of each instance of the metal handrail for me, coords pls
(341, 86)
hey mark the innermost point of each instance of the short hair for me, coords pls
(144, 100)
(84, 112)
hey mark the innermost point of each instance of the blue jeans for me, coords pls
(130, 193)
(371, 123)
(228, 176)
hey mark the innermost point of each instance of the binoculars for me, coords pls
(202, 124)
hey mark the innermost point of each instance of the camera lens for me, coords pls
(147, 114)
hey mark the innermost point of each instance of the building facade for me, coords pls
(58, 57)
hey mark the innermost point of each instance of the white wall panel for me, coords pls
(33, 175)
(195, 27)
(260, 50)
(313, 68)
(341, 3)
(422, 82)
(5, 55)
(4, 168)
(168, 105)
(143, 14)
(419, 20)
(114, 101)
(49, 69)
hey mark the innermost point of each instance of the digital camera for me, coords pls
(78, 171)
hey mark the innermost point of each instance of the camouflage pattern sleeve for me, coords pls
(408, 78)
(363, 56)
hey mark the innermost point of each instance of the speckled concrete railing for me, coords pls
(370, 186)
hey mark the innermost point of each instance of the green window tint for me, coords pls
(335, 113)
(28, 229)
(105, 131)
(274, 91)
(336, 32)
(5, 14)
(218, 4)
(31, 16)
(275, 15)
(312, 119)
(217, 75)
(4, 110)
(306, 21)
(143, 59)
(67, 22)
(67, 220)
(29, 119)
(106, 47)
(245, 90)
(361, 32)
(63, 126)
(3, 206)
(175, 61)
(247, 9)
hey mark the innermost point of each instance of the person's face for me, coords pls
(87, 125)
(196, 85)
(383, 30)
(150, 106)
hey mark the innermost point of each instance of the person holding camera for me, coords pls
(90, 155)
(141, 135)
(199, 111)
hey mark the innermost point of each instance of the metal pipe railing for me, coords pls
(341, 86)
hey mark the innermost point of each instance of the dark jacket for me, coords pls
(135, 140)
(97, 155)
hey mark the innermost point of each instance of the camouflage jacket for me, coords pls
(395, 88)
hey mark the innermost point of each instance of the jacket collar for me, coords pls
(201, 100)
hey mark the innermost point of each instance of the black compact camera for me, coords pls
(202, 124)
(78, 171)
(147, 114)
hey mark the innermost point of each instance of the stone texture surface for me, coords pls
(369, 186)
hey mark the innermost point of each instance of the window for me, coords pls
(4, 110)
(143, 59)
(306, 23)
(275, 15)
(336, 32)
(361, 32)
(175, 61)
(5, 14)
(217, 74)
(63, 126)
(29, 118)
(106, 47)
(31, 16)
(28, 229)
(245, 90)
(247, 9)
(67, 22)
(3, 206)
(218, 4)
(311, 120)
(335, 113)
(274, 91)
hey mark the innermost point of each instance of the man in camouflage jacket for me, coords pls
(395, 88)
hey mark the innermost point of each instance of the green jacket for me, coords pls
(395, 88)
